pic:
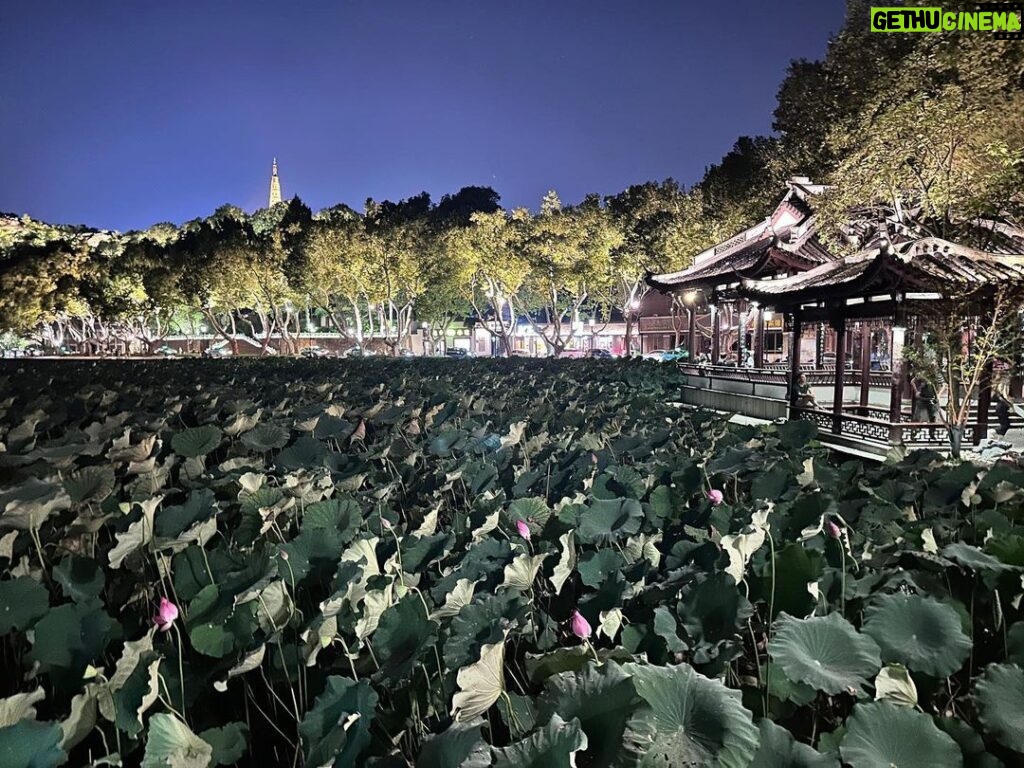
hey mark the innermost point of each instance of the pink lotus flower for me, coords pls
(165, 614)
(580, 626)
(523, 528)
(833, 529)
(715, 497)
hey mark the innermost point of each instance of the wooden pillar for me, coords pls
(819, 346)
(691, 334)
(716, 333)
(759, 339)
(984, 403)
(794, 361)
(740, 326)
(865, 366)
(898, 367)
(837, 391)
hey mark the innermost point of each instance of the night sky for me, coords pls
(122, 114)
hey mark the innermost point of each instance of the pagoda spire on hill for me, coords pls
(275, 186)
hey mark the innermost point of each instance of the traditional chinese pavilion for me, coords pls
(775, 302)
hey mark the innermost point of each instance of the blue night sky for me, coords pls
(123, 114)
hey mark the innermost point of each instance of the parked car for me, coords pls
(673, 355)
(314, 352)
(165, 351)
(602, 354)
(403, 352)
(218, 351)
(457, 353)
(357, 351)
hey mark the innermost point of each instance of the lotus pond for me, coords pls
(458, 564)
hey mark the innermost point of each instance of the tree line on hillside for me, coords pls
(924, 129)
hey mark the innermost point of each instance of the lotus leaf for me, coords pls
(918, 632)
(826, 653)
(688, 719)
(880, 735)
(1000, 696)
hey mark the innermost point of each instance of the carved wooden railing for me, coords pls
(877, 430)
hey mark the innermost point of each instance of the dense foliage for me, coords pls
(505, 562)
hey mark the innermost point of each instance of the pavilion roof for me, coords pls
(787, 241)
(927, 265)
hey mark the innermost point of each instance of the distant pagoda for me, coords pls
(275, 186)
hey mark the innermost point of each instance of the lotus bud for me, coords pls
(166, 613)
(580, 626)
(386, 523)
(833, 529)
(715, 497)
(523, 528)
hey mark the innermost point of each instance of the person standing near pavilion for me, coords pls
(926, 407)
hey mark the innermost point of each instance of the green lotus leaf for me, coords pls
(228, 743)
(796, 434)
(1000, 696)
(607, 520)
(403, 634)
(531, 510)
(478, 623)
(1009, 548)
(336, 730)
(771, 485)
(667, 628)
(596, 565)
(602, 699)
(172, 744)
(484, 561)
(795, 567)
(712, 612)
(778, 749)
(81, 578)
(688, 719)
(342, 514)
(782, 688)
(973, 558)
(90, 484)
(170, 522)
(22, 602)
(266, 437)
(618, 482)
(461, 746)
(197, 441)
(919, 632)
(880, 735)
(132, 687)
(419, 552)
(305, 453)
(557, 743)
(314, 551)
(825, 652)
(71, 636)
(29, 744)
